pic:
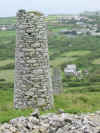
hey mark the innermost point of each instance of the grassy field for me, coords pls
(75, 53)
(79, 95)
(61, 60)
(78, 102)
(9, 20)
(96, 61)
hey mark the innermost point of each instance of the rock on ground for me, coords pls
(53, 123)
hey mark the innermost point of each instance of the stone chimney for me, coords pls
(33, 86)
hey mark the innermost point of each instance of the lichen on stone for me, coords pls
(36, 13)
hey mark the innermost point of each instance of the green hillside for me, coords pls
(79, 95)
(6, 21)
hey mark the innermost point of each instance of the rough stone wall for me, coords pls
(32, 79)
(57, 81)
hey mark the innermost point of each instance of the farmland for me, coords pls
(79, 95)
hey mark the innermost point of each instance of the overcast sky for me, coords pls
(9, 7)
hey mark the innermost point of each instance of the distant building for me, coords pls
(86, 72)
(69, 32)
(95, 33)
(7, 27)
(70, 69)
(3, 28)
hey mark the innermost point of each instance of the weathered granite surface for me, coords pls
(54, 123)
(32, 77)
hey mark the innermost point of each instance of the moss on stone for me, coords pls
(36, 13)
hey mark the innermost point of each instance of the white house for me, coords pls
(70, 69)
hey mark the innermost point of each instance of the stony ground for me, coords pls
(54, 123)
